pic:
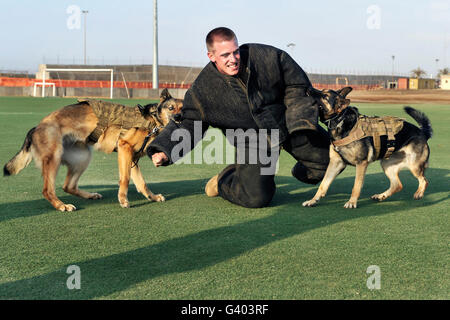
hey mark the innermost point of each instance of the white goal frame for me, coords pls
(77, 70)
(44, 84)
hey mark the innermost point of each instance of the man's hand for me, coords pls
(159, 158)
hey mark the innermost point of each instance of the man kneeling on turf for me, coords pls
(252, 86)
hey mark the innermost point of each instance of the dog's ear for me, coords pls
(346, 102)
(165, 95)
(313, 92)
(343, 103)
(344, 91)
(141, 109)
(146, 110)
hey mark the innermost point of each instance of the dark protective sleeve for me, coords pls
(311, 150)
(169, 138)
(302, 112)
(308, 143)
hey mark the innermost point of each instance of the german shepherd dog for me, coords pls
(64, 137)
(410, 148)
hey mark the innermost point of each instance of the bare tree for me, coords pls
(444, 71)
(418, 72)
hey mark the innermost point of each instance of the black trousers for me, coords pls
(251, 184)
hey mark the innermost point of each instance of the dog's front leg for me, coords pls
(141, 186)
(125, 156)
(335, 167)
(359, 181)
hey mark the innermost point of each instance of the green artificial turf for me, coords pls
(195, 247)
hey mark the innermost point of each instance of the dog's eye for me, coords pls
(171, 108)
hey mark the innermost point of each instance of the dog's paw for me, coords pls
(67, 207)
(418, 195)
(124, 204)
(310, 203)
(159, 198)
(379, 197)
(350, 205)
(95, 196)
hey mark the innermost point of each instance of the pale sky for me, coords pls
(358, 36)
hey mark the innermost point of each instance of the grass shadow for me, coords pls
(107, 275)
(290, 190)
(29, 208)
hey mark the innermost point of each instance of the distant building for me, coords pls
(415, 83)
(445, 81)
(403, 83)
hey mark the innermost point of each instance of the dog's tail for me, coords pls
(22, 158)
(422, 120)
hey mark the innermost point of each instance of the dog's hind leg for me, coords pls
(47, 150)
(391, 168)
(418, 170)
(141, 186)
(49, 171)
(77, 157)
(423, 182)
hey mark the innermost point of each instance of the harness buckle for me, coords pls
(154, 131)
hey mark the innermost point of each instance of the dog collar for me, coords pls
(336, 116)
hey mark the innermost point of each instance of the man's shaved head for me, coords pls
(219, 34)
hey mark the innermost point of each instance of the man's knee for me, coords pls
(311, 146)
(249, 193)
(311, 150)
(260, 198)
(311, 173)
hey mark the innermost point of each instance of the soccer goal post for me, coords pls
(77, 70)
(44, 84)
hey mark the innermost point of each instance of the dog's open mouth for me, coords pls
(331, 103)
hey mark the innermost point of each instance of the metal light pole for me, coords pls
(393, 58)
(155, 44)
(437, 67)
(291, 46)
(85, 12)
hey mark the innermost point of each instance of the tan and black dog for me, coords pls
(66, 136)
(359, 140)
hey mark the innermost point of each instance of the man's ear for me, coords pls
(211, 56)
(165, 95)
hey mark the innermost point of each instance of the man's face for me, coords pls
(225, 54)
